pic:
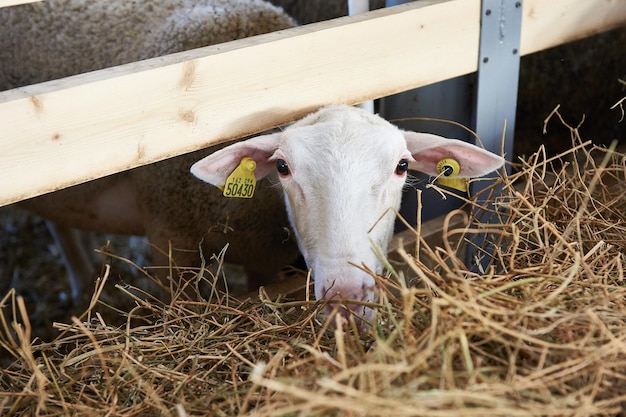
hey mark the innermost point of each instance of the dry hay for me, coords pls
(539, 329)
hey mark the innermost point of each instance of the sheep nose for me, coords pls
(345, 309)
(348, 297)
(348, 308)
(361, 315)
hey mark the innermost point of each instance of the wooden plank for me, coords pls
(7, 3)
(432, 233)
(61, 133)
(550, 23)
(69, 131)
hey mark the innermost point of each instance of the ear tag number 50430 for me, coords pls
(241, 183)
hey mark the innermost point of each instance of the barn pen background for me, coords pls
(544, 337)
(424, 43)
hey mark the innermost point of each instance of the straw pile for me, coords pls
(539, 329)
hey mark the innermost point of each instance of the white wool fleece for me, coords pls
(95, 34)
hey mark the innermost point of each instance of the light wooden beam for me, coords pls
(72, 130)
(551, 23)
(64, 132)
(7, 3)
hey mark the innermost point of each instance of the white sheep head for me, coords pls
(342, 170)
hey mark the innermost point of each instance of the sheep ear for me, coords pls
(428, 150)
(215, 168)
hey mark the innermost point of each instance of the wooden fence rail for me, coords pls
(72, 130)
(7, 3)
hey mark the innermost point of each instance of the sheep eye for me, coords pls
(402, 167)
(282, 167)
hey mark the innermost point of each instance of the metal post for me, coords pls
(496, 91)
(358, 7)
(498, 73)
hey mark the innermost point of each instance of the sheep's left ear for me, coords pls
(216, 167)
(428, 150)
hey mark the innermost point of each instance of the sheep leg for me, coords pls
(77, 261)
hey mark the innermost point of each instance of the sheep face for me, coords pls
(342, 170)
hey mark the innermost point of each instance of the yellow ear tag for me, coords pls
(242, 182)
(449, 168)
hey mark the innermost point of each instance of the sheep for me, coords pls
(342, 171)
(58, 38)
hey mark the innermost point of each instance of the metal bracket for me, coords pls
(496, 95)
(498, 73)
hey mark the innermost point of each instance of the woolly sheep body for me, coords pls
(59, 38)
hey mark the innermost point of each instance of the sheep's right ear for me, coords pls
(216, 167)
(428, 150)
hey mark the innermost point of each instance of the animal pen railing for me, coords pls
(72, 130)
